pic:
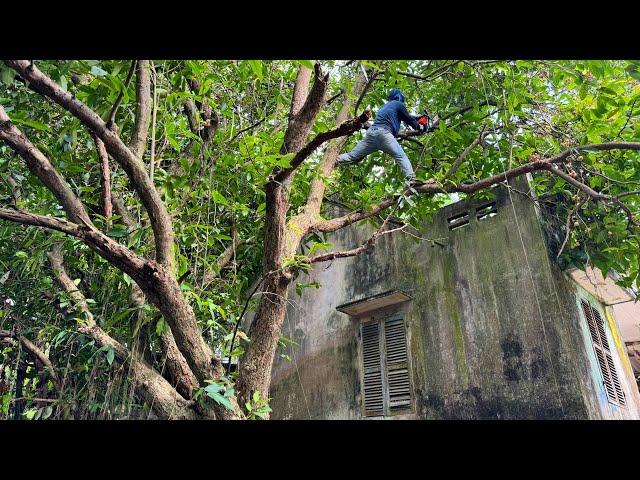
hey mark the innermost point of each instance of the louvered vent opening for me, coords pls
(486, 211)
(458, 221)
(373, 387)
(611, 381)
(397, 365)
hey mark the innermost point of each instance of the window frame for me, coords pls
(605, 351)
(381, 317)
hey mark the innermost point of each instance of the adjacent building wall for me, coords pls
(495, 331)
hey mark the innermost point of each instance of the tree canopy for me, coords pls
(146, 205)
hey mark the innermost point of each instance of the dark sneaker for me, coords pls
(344, 161)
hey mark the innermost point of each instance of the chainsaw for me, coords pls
(425, 121)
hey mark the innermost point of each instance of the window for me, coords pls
(611, 381)
(386, 383)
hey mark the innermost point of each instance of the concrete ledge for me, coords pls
(375, 302)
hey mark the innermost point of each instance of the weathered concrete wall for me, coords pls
(494, 328)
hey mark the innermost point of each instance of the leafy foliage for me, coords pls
(532, 108)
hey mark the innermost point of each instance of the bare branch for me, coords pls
(366, 88)
(105, 181)
(225, 257)
(335, 97)
(458, 161)
(26, 218)
(143, 108)
(355, 251)
(250, 127)
(111, 119)
(595, 195)
(568, 223)
(433, 74)
(347, 128)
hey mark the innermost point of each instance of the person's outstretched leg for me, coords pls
(364, 147)
(391, 146)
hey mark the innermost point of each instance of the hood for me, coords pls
(395, 94)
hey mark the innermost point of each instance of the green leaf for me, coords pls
(218, 197)
(306, 63)
(256, 66)
(31, 123)
(634, 72)
(98, 72)
(161, 326)
(110, 354)
(214, 390)
(319, 246)
(47, 412)
(116, 232)
(7, 75)
(21, 254)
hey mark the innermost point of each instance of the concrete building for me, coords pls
(479, 324)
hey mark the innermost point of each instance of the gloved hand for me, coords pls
(423, 123)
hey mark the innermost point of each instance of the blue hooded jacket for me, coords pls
(393, 112)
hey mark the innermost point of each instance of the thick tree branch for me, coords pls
(150, 385)
(32, 219)
(134, 168)
(177, 368)
(42, 168)
(432, 188)
(347, 128)
(55, 257)
(302, 116)
(143, 109)
(300, 90)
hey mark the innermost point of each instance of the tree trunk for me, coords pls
(255, 367)
(281, 242)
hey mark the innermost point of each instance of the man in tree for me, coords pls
(381, 135)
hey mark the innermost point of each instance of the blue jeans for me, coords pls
(378, 138)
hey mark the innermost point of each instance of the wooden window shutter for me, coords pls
(610, 376)
(397, 363)
(371, 362)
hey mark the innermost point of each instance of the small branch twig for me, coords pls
(250, 127)
(111, 119)
(105, 180)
